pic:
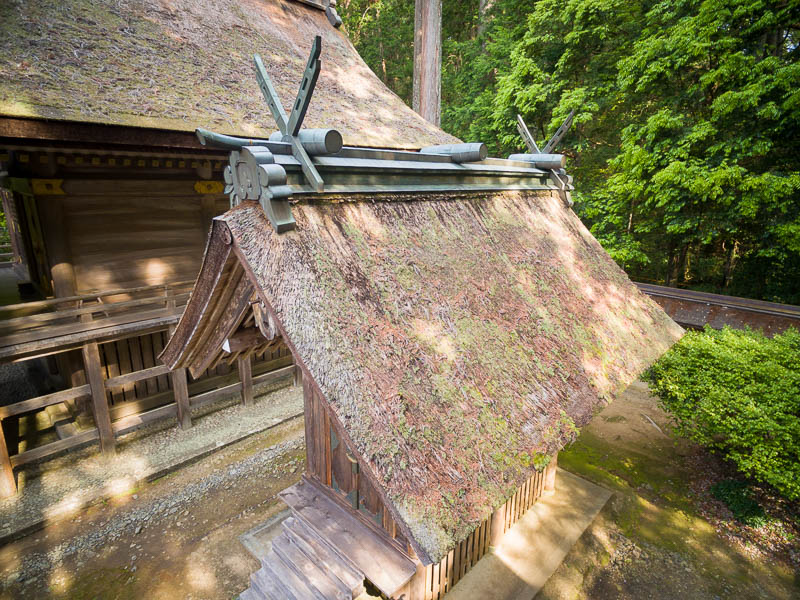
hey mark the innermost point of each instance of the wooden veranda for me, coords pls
(106, 345)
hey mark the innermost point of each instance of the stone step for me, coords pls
(264, 583)
(250, 594)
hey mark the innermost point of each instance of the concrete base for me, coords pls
(535, 546)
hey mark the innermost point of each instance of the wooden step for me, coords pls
(385, 566)
(266, 583)
(299, 587)
(323, 554)
(326, 585)
(251, 594)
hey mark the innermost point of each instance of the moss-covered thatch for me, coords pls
(459, 339)
(182, 64)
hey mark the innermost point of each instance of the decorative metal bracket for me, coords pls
(253, 175)
(545, 159)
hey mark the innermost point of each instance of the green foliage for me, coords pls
(684, 143)
(738, 497)
(383, 33)
(738, 393)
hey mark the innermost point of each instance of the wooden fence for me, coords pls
(442, 576)
(106, 345)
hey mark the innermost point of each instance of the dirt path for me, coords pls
(176, 537)
(650, 541)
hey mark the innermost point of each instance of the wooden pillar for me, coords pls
(8, 486)
(550, 475)
(59, 257)
(428, 60)
(208, 210)
(181, 391)
(498, 526)
(308, 418)
(94, 375)
(246, 377)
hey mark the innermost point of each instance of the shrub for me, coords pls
(738, 393)
(738, 498)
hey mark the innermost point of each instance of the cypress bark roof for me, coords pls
(459, 339)
(182, 64)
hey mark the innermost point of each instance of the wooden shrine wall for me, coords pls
(128, 355)
(329, 460)
(130, 241)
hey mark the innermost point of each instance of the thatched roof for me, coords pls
(182, 64)
(459, 339)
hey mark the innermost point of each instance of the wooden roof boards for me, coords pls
(458, 338)
(182, 64)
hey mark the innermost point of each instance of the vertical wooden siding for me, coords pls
(441, 577)
(332, 462)
(129, 355)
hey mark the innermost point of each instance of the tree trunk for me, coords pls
(428, 60)
(730, 260)
(680, 275)
(483, 18)
(670, 262)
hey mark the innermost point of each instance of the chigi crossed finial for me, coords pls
(252, 172)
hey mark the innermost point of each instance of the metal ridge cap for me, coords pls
(306, 192)
(367, 164)
(318, 4)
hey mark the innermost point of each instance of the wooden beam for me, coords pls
(246, 377)
(40, 452)
(94, 375)
(243, 339)
(428, 60)
(61, 338)
(181, 390)
(26, 323)
(136, 376)
(131, 422)
(216, 394)
(94, 295)
(57, 248)
(44, 401)
(498, 526)
(8, 486)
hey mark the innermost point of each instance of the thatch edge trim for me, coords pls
(173, 354)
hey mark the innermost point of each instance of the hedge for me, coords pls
(738, 394)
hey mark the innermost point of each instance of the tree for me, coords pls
(427, 88)
(684, 144)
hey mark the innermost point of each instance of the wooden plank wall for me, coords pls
(441, 577)
(136, 240)
(331, 462)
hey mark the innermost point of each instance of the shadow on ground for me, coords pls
(649, 541)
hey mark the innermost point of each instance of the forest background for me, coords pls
(685, 143)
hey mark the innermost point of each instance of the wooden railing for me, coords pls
(6, 253)
(50, 326)
(85, 319)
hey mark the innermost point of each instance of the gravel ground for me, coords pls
(57, 488)
(173, 538)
